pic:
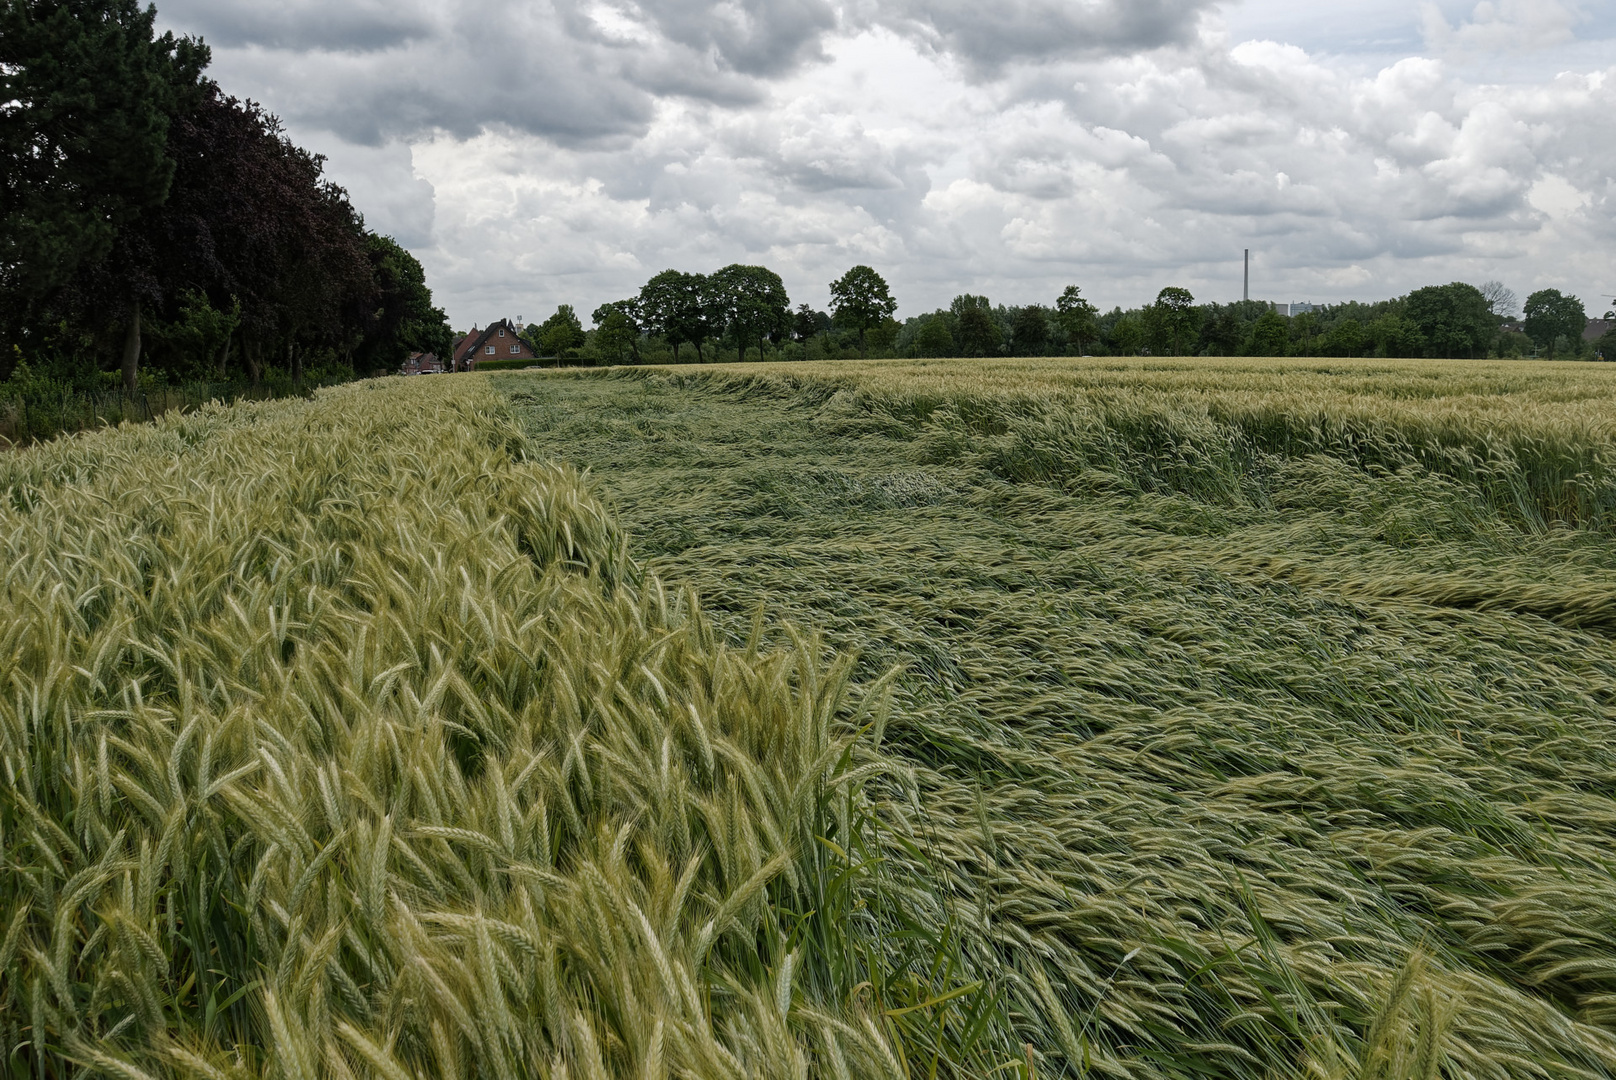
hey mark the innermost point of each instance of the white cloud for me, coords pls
(1557, 197)
(1501, 26)
(564, 151)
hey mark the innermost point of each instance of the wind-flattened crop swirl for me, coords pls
(338, 740)
(1533, 441)
(1241, 751)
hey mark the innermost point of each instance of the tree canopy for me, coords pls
(1029, 332)
(1454, 320)
(404, 319)
(1175, 308)
(1270, 335)
(1550, 316)
(1501, 299)
(90, 94)
(561, 333)
(677, 306)
(1077, 318)
(860, 299)
(743, 307)
(978, 330)
(617, 330)
(936, 337)
(751, 304)
(134, 188)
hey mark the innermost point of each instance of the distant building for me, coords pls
(422, 363)
(1598, 328)
(498, 342)
(1291, 309)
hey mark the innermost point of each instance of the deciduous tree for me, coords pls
(1454, 320)
(617, 333)
(250, 224)
(1501, 301)
(1176, 308)
(87, 94)
(1304, 327)
(1127, 335)
(1270, 335)
(860, 299)
(1224, 332)
(1550, 316)
(935, 337)
(676, 305)
(198, 340)
(1077, 318)
(1345, 338)
(1029, 334)
(978, 331)
(751, 304)
(806, 323)
(561, 334)
(404, 319)
(1395, 335)
(251, 217)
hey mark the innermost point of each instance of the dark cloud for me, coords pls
(370, 100)
(483, 65)
(578, 71)
(575, 71)
(760, 38)
(989, 36)
(352, 26)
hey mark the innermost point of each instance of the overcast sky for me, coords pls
(536, 152)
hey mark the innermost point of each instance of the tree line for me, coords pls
(743, 311)
(154, 228)
(1457, 320)
(739, 307)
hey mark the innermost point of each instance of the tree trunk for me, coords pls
(700, 359)
(224, 358)
(294, 364)
(253, 352)
(131, 352)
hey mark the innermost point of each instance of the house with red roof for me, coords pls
(498, 342)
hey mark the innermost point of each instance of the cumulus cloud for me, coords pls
(1501, 26)
(564, 150)
(754, 37)
(485, 64)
